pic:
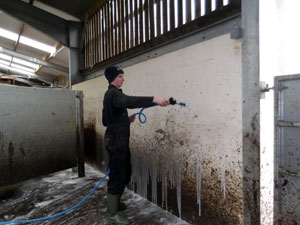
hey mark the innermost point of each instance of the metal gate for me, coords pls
(40, 132)
(287, 150)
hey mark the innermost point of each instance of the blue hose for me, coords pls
(61, 213)
(143, 117)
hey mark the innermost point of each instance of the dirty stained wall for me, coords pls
(192, 154)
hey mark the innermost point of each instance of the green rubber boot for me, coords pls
(122, 206)
(112, 211)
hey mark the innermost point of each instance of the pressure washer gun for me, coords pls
(143, 117)
(174, 102)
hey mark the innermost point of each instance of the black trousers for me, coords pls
(117, 146)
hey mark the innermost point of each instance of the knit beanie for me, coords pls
(112, 72)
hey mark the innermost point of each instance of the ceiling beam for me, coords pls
(52, 66)
(48, 23)
(11, 71)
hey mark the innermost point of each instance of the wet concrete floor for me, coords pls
(54, 193)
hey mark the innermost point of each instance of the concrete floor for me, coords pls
(60, 191)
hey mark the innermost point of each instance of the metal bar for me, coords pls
(172, 15)
(141, 22)
(179, 13)
(289, 171)
(136, 18)
(131, 25)
(165, 15)
(198, 8)
(282, 123)
(146, 9)
(188, 11)
(207, 6)
(151, 11)
(158, 20)
(53, 66)
(127, 26)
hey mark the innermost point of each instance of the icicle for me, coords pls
(198, 175)
(178, 187)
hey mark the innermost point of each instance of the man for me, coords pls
(116, 139)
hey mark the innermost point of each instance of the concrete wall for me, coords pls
(194, 152)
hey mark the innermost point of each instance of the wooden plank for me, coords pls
(151, 12)
(198, 8)
(165, 15)
(172, 15)
(146, 10)
(195, 25)
(188, 11)
(219, 4)
(103, 34)
(127, 25)
(85, 46)
(158, 20)
(180, 12)
(131, 24)
(90, 45)
(141, 21)
(107, 31)
(112, 43)
(100, 37)
(207, 6)
(116, 27)
(136, 20)
(97, 37)
(122, 25)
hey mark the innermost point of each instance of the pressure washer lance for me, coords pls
(143, 117)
